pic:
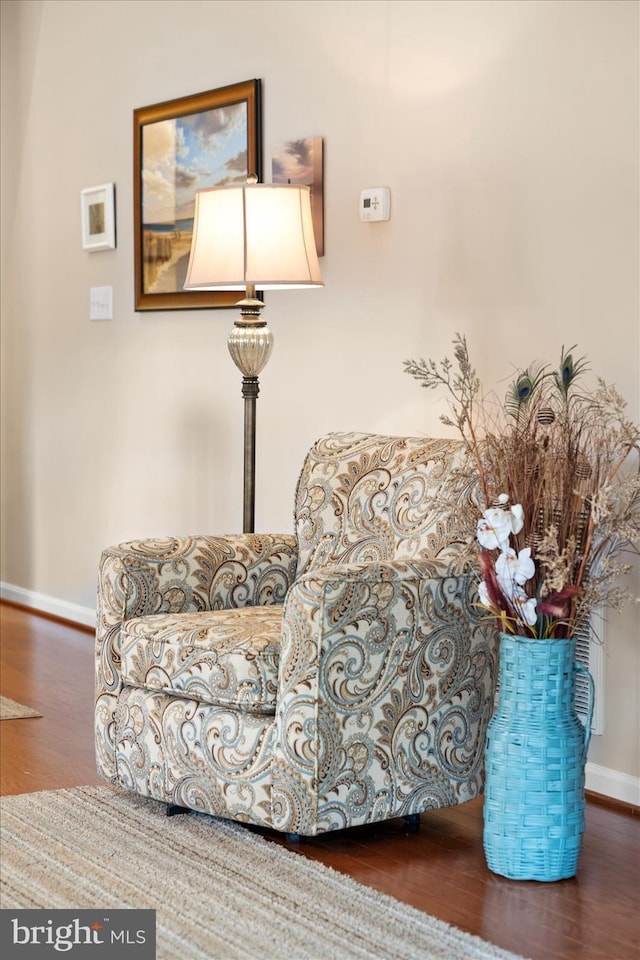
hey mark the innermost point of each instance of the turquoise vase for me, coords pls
(535, 758)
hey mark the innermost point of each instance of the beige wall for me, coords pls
(508, 134)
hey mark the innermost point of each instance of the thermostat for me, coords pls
(375, 204)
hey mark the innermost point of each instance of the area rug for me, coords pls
(11, 710)
(220, 891)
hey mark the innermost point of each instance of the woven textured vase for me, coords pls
(535, 758)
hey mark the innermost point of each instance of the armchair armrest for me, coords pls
(385, 689)
(143, 577)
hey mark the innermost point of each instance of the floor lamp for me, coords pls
(251, 237)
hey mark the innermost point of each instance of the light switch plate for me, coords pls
(101, 303)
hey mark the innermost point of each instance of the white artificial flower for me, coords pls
(517, 518)
(514, 570)
(483, 594)
(527, 608)
(494, 529)
(496, 526)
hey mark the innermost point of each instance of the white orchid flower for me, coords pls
(514, 570)
(526, 606)
(517, 518)
(494, 529)
(483, 595)
(496, 526)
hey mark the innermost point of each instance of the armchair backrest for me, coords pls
(363, 497)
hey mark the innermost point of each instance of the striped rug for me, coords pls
(11, 710)
(220, 891)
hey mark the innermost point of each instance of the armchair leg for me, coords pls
(173, 809)
(412, 822)
(293, 837)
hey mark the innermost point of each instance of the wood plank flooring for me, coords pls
(440, 869)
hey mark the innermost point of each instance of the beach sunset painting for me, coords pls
(180, 156)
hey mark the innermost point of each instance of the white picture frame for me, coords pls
(98, 217)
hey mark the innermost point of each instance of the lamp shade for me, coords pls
(253, 234)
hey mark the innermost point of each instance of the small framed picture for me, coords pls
(301, 161)
(98, 217)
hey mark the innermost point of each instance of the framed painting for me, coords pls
(301, 161)
(98, 217)
(179, 147)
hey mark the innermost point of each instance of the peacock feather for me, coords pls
(568, 371)
(523, 388)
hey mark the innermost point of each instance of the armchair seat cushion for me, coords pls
(225, 657)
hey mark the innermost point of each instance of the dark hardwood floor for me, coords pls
(440, 869)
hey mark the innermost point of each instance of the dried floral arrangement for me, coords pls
(557, 474)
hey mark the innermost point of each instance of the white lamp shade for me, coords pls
(253, 234)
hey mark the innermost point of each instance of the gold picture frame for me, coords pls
(179, 147)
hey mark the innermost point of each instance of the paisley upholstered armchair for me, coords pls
(306, 682)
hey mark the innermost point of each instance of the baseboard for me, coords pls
(42, 603)
(612, 783)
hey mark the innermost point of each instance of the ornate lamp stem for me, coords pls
(250, 343)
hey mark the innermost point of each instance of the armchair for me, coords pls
(306, 682)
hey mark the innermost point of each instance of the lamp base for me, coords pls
(250, 391)
(250, 343)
